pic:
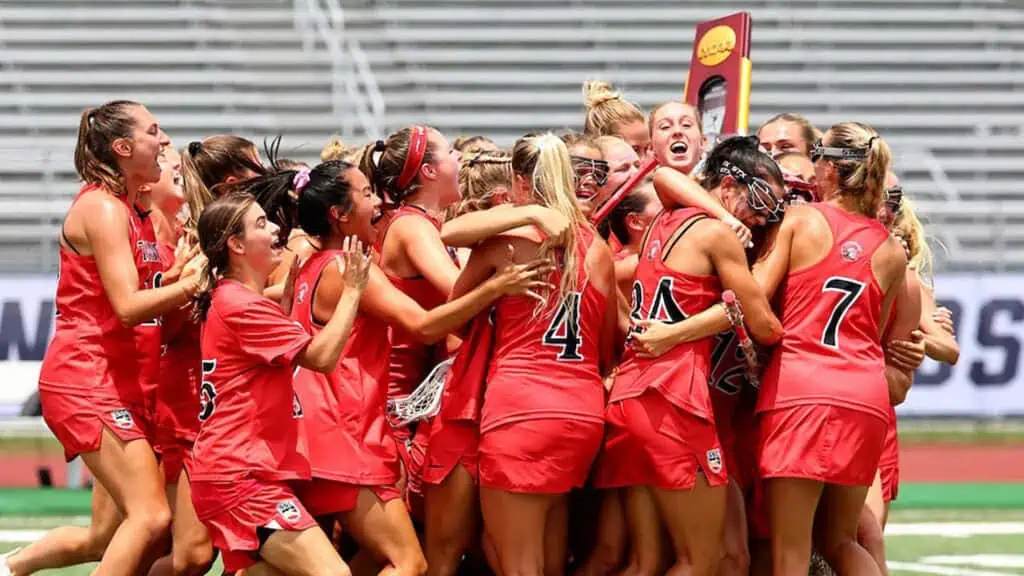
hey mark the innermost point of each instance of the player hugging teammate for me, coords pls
(241, 341)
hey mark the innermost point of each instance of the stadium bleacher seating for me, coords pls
(941, 79)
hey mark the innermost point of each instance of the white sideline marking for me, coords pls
(941, 570)
(954, 529)
(983, 560)
(21, 536)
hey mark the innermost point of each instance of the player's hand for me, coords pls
(944, 318)
(553, 224)
(906, 355)
(741, 230)
(525, 278)
(289, 286)
(652, 338)
(184, 253)
(355, 263)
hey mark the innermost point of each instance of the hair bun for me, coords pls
(598, 92)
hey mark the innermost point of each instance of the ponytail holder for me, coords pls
(194, 147)
(379, 146)
(90, 118)
(300, 180)
(872, 140)
(414, 159)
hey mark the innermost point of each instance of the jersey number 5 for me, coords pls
(850, 290)
(207, 393)
(564, 330)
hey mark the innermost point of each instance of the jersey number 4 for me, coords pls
(850, 290)
(564, 330)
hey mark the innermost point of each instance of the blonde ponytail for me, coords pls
(861, 178)
(544, 159)
(910, 228)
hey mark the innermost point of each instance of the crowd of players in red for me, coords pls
(230, 329)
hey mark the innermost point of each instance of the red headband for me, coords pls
(413, 160)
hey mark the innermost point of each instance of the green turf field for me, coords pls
(920, 542)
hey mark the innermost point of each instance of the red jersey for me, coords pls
(151, 262)
(250, 416)
(547, 365)
(831, 351)
(660, 293)
(91, 352)
(462, 398)
(728, 377)
(411, 360)
(180, 370)
(350, 437)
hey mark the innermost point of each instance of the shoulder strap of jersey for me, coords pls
(678, 234)
(650, 228)
(317, 263)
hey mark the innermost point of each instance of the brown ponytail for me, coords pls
(208, 163)
(95, 162)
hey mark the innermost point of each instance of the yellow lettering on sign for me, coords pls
(716, 45)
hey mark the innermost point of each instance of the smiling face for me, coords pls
(168, 194)
(138, 154)
(676, 136)
(586, 181)
(258, 245)
(362, 217)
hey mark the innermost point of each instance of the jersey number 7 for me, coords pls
(850, 290)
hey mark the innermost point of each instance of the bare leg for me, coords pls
(130, 473)
(736, 561)
(71, 545)
(791, 506)
(608, 552)
(515, 525)
(451, 521)
(305, 553)
(385, 529)
(696, 522)
(841, 508)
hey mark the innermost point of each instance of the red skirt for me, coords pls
(829, 444)
(652, 442)
(543, 456)
(234, 511)
(78, 420)
(451, 443)
(889, 465)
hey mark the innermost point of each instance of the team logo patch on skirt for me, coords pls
(289, 511)
(123, 419)
(715, 460)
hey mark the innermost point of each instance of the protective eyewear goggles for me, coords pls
(597, 169)
(761, 198)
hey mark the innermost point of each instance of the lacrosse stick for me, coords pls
(735, 314)
(424, 401)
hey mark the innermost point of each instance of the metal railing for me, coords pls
(355, 95)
